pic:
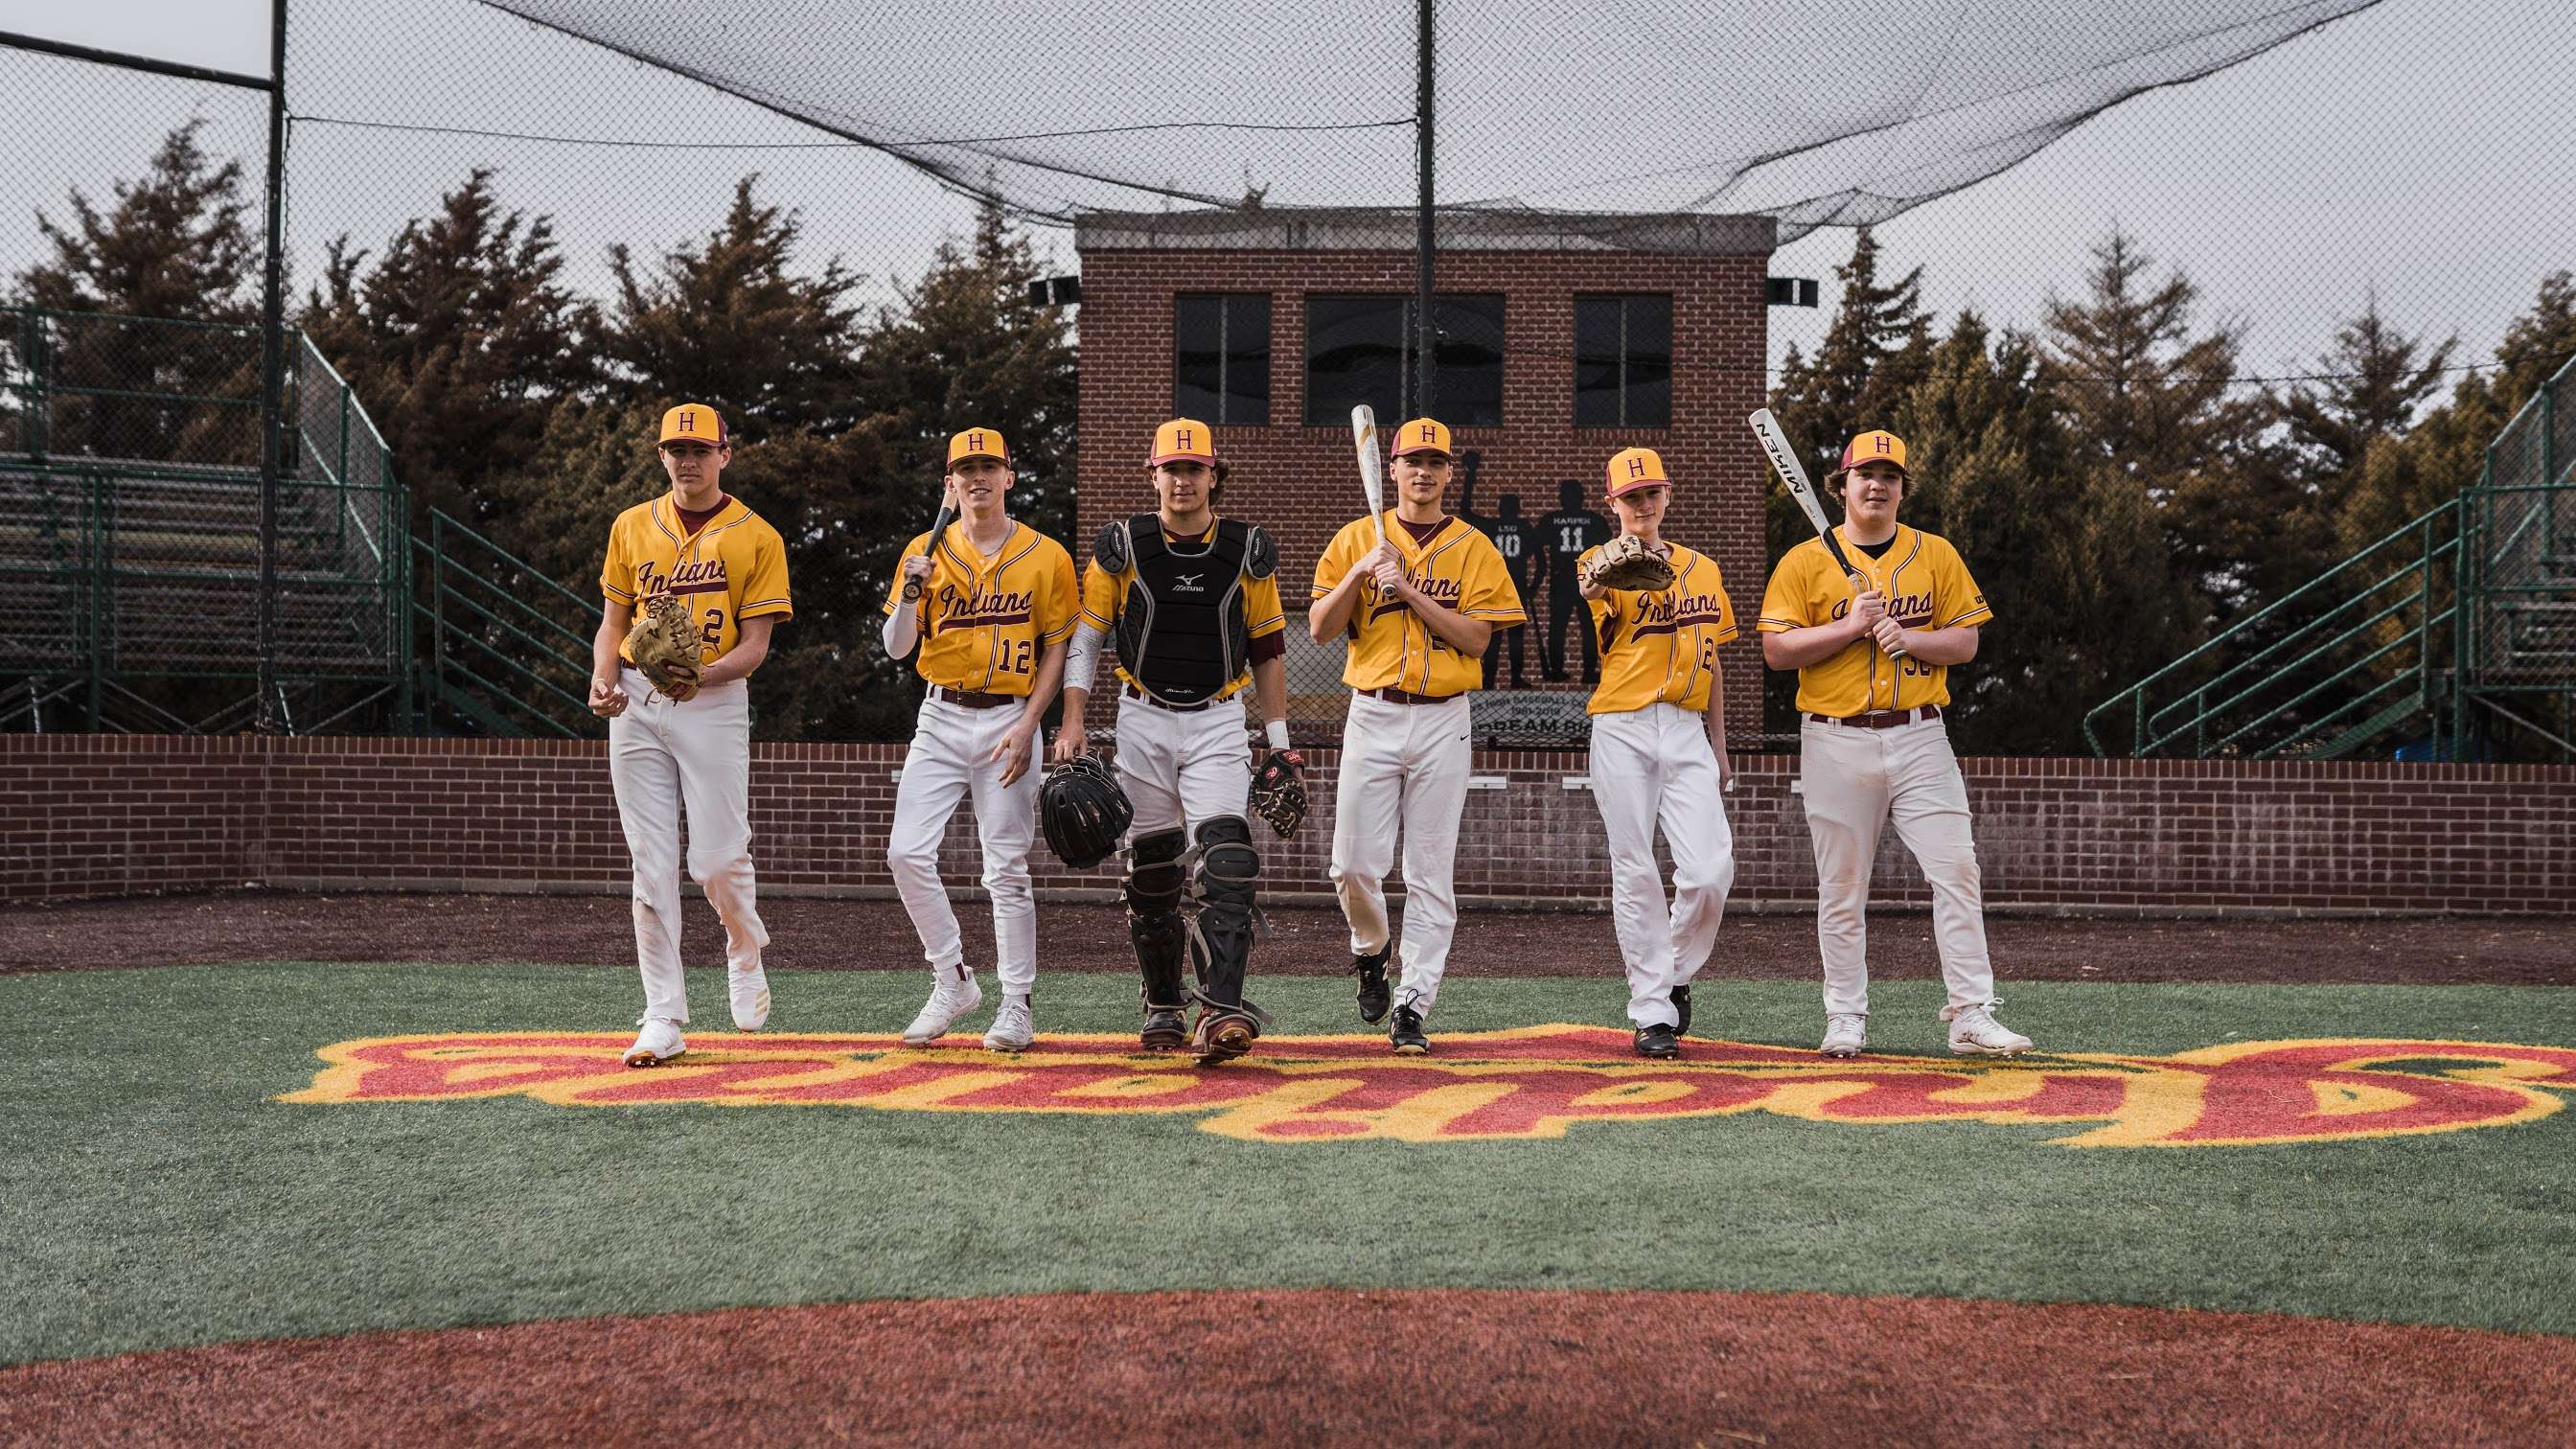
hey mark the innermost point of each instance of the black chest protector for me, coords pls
(1182, 632)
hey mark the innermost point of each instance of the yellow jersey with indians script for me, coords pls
(1927, 586)
(1660, 646)
(1390, 645)
(985, 620)
(733, 568)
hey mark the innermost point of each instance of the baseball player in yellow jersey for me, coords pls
(1418, 594)
(1871, 743)
(665, 754)
(1659, 756)
(1189, 602)
(994, 611)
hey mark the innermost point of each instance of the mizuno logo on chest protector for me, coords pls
(1182, 632)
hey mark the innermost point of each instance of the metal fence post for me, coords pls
(102, 606)
(40, 408)
(272, 376)
(437, 598)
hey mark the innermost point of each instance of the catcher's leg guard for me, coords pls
(1221, 938)
(1154, 884)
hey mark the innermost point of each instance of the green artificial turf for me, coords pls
(153, 1192)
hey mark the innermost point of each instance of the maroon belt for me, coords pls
(1886, 719)
(972, 699)
(1402, 696)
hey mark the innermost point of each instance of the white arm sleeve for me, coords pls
(902, 631)
(1084, 657)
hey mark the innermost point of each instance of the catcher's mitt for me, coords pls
(664, 646)
(1083, 811)
(1278, 793)
(1627, 562)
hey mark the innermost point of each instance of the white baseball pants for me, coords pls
(663, 757)
(1402, 765)
(1855, 781)
(1651, 766)
(945, 765)
(1181, 768)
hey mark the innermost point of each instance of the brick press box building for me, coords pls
(1562, 339)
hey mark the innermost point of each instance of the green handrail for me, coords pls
(470, 613)
(2147, 730)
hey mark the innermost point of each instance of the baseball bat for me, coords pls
(1372, 467)
(1785, 458)
(938, 530)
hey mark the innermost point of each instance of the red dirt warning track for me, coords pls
(1320, 1366)
(810, 934)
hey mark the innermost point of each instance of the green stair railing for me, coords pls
(506, 649)
(2463, 619)
(2318, 673)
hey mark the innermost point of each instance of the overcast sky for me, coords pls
(2411, 150)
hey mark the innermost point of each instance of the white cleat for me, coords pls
(1975, 1033)
(1846, 1033)
(1013, 1026)
(656, 1044)
(941, 1011)
(750, 992)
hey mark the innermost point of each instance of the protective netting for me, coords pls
(1843, 112)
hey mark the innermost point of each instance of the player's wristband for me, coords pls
(1277, 730)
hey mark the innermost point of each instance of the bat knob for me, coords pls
(911, 590)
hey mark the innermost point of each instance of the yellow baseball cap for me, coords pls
(978, 443)
(1635, 468)
(1423, 435)
(1875, 446)
(1183, 440)
(694, 423)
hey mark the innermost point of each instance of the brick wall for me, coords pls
(1300, 481)
(89, 815)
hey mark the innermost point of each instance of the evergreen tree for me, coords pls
(459, 341)
(2444, 453)
(729, 320)
(1874, 351)
(967, 347)
(2068, 552)
(2371, 383)
(177, 244)
(2156, 402)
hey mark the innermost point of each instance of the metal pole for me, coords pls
(1423, 331)
(272, 374)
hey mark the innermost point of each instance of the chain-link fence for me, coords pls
(2151, 400)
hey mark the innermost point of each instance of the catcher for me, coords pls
(1191, 601)
(1419, 594)
(1659, 746)
(711, 578)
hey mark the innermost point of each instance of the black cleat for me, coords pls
(1373, 993)
(1406, 1034)
(1681, 1004)
(1658, 1042)
(1167, 1029)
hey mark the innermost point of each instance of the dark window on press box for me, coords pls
(1359, 349)
(1221, 357)
(1623, 361)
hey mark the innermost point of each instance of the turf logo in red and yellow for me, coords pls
(1528, 1083)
